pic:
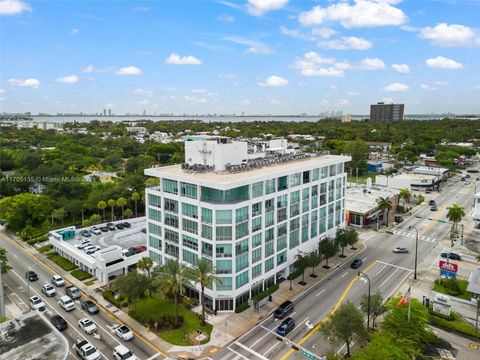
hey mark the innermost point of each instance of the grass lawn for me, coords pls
(65, 264)
(80, 274)
(454, 323)
(462, 294)
(156, 306)
(91, 282)
(45, 249)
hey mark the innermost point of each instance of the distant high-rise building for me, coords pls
(104, 112)
(386, 112)
(109, 112)
(144, 113)
(346, 118)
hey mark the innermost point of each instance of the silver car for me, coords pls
(400, 250)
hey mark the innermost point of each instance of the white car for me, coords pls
(87, 325)
(57, 280)
(67, 303)
(121, 352)
(36, 303)
(95, 231)
(91, 249)
(124, 333)
(48, 290)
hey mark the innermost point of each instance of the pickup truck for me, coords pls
(86, 351)
(73, 292)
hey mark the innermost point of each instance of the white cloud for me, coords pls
(450, 35)
(175, 59)
(313, 35)
(333, 87)
(313, 64)
(194, 99)
(401, 68)
(396, 87)
(361, 13)
(273, 81)
(226, 18)
(372, 64)
(345, 43)
(260, 50)
(93, 69)
(2, 91)
(324, 32)
(74, 32)
(387, 100)
(343, 102)
(261, 7)
(24, 83)
(254, 47)
(199, 91)
(441, 62)
(143, 92)
(353, 93)
(427, 87)
(129, 70)
(13, 7)
(69, 79)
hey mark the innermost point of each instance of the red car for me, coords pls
(140, 248)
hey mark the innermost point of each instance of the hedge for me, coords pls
(65, 264)
(265, 293)
(119, 303)
(242, 307)
(80, 274)
(46, 248)
(454, 323)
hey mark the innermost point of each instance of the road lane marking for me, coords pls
(334, 310)
(365, 258)
(344, 274)
(395, 266)
(251, 351)
(379, 271)
(269, 331)
(388, 278)
(320, 293)
(235, 352)
(154, 356)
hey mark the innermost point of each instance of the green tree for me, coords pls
(313, 260)
(358, 150)
(405, 196)
(86, 223)
(382, 346)
(455, 214)
(345, 326)
(135, 197)
(22, 209)
(172, 278)
(377, 307)
(300, 265)
(385, 205)
(95, 219)
(204, 274)
(352, 238)
(111, 203)
(342, 238)
(27, 232)
(58, 214)
(121, 202)
(102, 205)
(132, 285)
(145, 264)
(4, 260)
(327, 248)
(128, 213)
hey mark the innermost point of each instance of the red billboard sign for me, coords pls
(448, 266)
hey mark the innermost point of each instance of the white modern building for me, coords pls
(252, 217)
(409, 181)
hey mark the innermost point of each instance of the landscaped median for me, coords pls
(453, 287)
(453, 322)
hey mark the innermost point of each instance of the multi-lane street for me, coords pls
(385, 269)
(19, 289)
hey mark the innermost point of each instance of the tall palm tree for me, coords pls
(102, 205)
(405, 196)
(171, 278)
(385, 204)
(145, 264)
(111, 203)
(135, 197)
(204, 274)
(121, 202)
(455, 215)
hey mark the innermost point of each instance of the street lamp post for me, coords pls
(416, 250)
(368, 302)
(2, 302)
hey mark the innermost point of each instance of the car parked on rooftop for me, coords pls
(86, 233)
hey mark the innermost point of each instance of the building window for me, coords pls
(190, 257)
(256, 271)
(223, 233)
(170, 205)
(331, 188)
(188, 190)
(257, 189)
(305, 234)
(324, 172)
(256, 209)
(171, 220)
(206, 232)
(322, 220)
(170, 186)
(282, 201)
(223, 267)
(241, 262)
(281, 215)
(224, 284)
(281, 243)
(256, 255)
(294, 239)
(281, 230)
(256, 224)
(189, 210)
(155, 229)
(269, 234)
(269, 264)
(269, 218)
(256, 240)
(238, 194)
(294, 224)
(223, 216)
(241, 247)
(207, 215)
(241, 214)
(224, 250)
(323, 194)
(190, 226)
(241, 230)
(269, 248)
(282, 183)
(171, 250)
(295, 197)
(241, 279)
(315, 174)
(306, 177)
(154, 214)
(269, 205)
(207, 249)
(269, 186)
(340, 168)
(190, 242)
(155, 257)
(281, 258)
(305, 205)
(154, 242)
(171, 236)
(333, 170)
(330, 216)
(295, 179)
(154, 200)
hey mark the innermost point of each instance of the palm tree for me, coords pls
(135, 197)
(111, 203)
(405, 196)
(455, 215)
(145, 264)
(204, 274)
(95, 219)
(128, 213)
(102, 205)
(385, 204)
(171, 278)
(121, 202)
(58, 214)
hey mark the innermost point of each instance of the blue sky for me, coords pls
(252, 56)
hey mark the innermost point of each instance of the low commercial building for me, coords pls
(474, 284)
(431, 170)
(119, 249)
(475, 214)
(409, 181)
(361, 206)
(32, 336)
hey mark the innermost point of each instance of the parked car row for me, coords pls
(94, 230)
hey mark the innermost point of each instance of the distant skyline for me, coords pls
(252, 56)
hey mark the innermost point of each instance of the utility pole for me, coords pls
(2, 300)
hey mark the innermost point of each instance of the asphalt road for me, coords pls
(385, 269)
(20, 289)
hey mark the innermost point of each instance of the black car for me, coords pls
(356, 263)
(59, 322)
(431, 202)
(120, 226)
(90, 307)
(283, 310)
(451, 256)
(126, 224)
(31, 275)
(103, 229)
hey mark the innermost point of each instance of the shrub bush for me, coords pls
(242, 307)
(119, 302)
(265, 293)
(80, 274)
(400, 209)
(65, 264)
(46, 248)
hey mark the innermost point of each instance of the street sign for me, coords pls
(448, 274)
(448, 266)
(308, 354)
